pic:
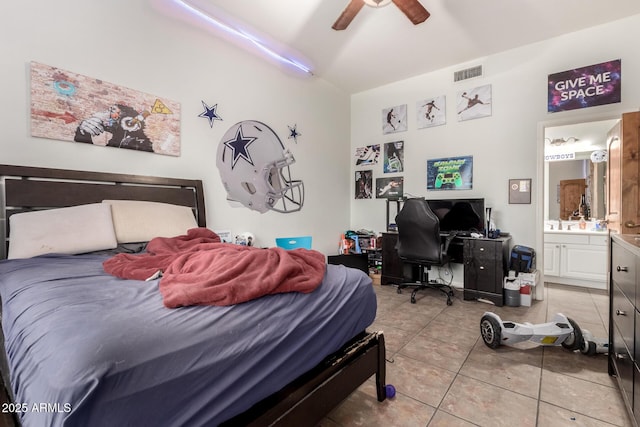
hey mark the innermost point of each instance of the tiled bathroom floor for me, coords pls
(445, 375)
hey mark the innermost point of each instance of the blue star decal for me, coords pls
(239, 146)
(210, 113)
(293, 133)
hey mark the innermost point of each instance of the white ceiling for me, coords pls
(382, 46)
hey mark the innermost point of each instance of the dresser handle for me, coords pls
(620, 356)
(621, 313)
(481, 267)
(481, 249)
(618, 268)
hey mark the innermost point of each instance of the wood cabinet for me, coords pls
(485, 266)
(624, 319)
(552, 259)
(577, 258)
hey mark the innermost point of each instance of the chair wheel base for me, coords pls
(445, 289)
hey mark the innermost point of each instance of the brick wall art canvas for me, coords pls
(71, 107)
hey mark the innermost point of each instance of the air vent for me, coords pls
(469, 73)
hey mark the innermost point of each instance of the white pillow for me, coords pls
(71, 230)
(137, 221)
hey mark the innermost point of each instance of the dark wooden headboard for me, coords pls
(24, 188)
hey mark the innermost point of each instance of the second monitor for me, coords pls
(462, 215)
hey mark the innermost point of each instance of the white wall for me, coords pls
(505, 145)
(129, 43)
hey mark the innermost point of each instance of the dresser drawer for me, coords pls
(485, 253)
(624, 366)
(636, 384)
(599, 240)
(623, 315)
(623, 270)
(484, 248)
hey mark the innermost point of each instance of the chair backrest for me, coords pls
(418, 233)
(294, 242)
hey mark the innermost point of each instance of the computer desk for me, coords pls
(485, 264)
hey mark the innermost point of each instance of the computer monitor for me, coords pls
(466, 215)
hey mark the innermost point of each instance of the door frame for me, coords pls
(568, 118)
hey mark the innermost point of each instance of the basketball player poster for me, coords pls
(474, 103)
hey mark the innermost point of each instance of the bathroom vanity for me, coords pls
(576, 257)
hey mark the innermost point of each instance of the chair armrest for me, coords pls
(445, 246)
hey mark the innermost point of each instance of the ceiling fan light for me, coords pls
(377, 3)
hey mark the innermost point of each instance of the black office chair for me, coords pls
(419, 243)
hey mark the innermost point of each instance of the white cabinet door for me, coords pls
(583, 262)
(552, 259)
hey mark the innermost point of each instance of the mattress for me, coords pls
(85, 348)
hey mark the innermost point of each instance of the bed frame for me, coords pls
(307, 400)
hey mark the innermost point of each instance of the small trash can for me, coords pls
(511, 290)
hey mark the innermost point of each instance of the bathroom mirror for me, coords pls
(575, 164)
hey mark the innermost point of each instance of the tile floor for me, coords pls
(445, 375)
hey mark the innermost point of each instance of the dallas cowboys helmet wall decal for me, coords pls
(254, 168)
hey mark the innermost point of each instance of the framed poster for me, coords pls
(393, 157)
(367, 156)
(520, 191)
(364, 183)
(585, 87)
(452, 173)
(394, 119)
(474, 103)
(390, 188)
(431, 112)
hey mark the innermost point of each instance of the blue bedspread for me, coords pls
(88, 349)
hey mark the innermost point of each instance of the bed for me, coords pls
(82, 347)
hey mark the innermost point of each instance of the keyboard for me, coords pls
(457, 233)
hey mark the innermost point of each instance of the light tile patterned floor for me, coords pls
(446, 376)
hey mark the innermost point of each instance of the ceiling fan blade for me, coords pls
(348, 14)
(413, 9)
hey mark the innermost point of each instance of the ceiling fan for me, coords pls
(412, 8)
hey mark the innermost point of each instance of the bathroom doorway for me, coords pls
(568, 151)
(574, 169)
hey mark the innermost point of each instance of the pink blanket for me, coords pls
(197, 269)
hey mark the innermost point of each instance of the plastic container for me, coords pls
(294, 242)
(511, 290)
(582, 224)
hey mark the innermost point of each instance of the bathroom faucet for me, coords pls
(559, 224)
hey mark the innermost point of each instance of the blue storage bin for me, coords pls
(294, 242)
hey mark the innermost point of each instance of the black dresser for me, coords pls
(624, 319)
(485, 266)
(394, 271)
